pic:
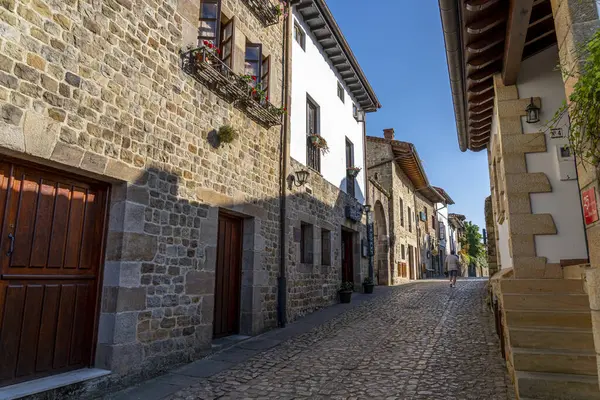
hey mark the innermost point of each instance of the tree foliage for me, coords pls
(583, 107)
(473, 251)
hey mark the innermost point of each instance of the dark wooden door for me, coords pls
(229, 277)
(411, 262)
(51, 240)
(347, 257)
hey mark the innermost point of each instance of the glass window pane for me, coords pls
(226, 49)
(208, 29)
(209, 10)
(227, 31)
(252, 53)
(252, 68)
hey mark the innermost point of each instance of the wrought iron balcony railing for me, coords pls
(265, 11)
(207, 68)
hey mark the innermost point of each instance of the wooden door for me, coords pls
(229, 277)
(51, 243)
(347, 257)
(411, 262)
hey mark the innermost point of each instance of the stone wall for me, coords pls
(426, 228)
(314, 284)
(490, 226)
(95, 87)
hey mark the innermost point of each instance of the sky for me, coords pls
(400, 47)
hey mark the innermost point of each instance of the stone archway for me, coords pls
(382, 248)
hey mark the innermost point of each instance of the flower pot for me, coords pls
(368, 288)
(345, 297)
(353, 172)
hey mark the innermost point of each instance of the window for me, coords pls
(299, 36)
(350, 180)
(409, 220)
(313, 154)
(401, 213)
(253, 60)
(265, 73)
(325, 247)
(306, 243)
(210, 13)
(433, 221)
(425, 217)
(354, 111)
(340, 91)
(403, 254)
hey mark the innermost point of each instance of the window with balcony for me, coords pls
(212, 63)
(313, 153)
(350, 178)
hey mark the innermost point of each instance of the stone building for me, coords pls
(327, 223)
(503, 95)
(442, 227)
(492, 255)
(144, 170)
(107, 123)
(402, 244)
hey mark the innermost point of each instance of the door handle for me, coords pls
(12, 244)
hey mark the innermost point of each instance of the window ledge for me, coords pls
(50, 382)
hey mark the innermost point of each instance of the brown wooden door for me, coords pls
(229, 277)
(347, 257)
(51, 240)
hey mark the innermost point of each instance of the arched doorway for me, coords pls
(382, 248)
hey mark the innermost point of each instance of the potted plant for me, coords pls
(319, 142)
(227, 134)
(368, 285)
(353, 171)
(346, 292)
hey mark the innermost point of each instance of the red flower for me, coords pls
(253, 78)
(206, 42)
(218, 51)
(210, 46)
(267, 98)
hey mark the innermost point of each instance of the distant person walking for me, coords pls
(453, 266)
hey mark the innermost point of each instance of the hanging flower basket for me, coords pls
(353, 171)
(319, 142)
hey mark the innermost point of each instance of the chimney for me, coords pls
(388, 133)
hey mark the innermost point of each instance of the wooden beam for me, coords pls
(519, 14)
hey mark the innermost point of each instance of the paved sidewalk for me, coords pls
(239, 351)
(419, 341)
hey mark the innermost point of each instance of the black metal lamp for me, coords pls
(367, 208)
(301, 177)
(533, 113)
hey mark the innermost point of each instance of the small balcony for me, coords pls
(265, 11)
(206, 67)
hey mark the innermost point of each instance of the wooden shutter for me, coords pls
(227, 40)
(265, 75)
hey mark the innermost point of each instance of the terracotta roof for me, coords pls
(445, 194)
(475, 34)
(405, 155)
(457, 219)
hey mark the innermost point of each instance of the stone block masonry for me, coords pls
(96, 88)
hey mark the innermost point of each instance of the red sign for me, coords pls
(590, 209)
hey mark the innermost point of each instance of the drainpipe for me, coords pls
(284, 163)
(367, 200)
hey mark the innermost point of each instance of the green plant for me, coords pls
(583, 107)
(368, 281)
(227, 134)
(473, 251)
(319, 142)
(346, 287)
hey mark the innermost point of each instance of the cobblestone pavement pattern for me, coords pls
(422, 341)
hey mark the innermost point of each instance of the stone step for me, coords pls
(557, 319)
(552, 338)
(552, 301)
(555, 361)
(541, 286)
(537, 385)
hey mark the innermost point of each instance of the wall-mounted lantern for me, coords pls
(533, 113)
(300, 178)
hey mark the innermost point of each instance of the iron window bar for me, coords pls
(265, 11)
(207, 68)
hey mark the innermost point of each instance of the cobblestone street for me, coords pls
(419, 341)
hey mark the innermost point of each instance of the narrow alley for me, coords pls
(422, 340)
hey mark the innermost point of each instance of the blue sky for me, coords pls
(400, 46)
